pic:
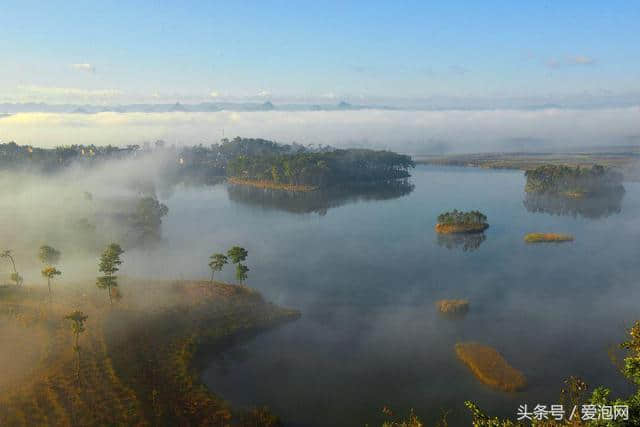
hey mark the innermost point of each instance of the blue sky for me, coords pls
(141, 51)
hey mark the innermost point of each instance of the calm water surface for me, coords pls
(366, 272)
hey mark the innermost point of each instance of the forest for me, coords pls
(573, 181)
(246, 158)
(456, 217)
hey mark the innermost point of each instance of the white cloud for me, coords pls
(264, 93)
(49, 91)
(404, 131)
(84, 67)
(214, 94)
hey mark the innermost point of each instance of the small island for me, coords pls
(453, 306)
(461, 222)
(573, 182)
(547, 237)
(488, 365)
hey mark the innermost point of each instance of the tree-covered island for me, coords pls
(244, 161)
(573, 182)
(457, 221)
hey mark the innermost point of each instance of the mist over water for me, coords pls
(367, 275)
(405, 131)
(365, 267)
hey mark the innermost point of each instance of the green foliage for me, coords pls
(217, 262)
(237, 254)
(77, 318)
(578, 180)
(50, 273)
(322, 168)
(147, 218)
(110, 259)
(109, 264)
(48, 255)
(456, 217)
(241, 272)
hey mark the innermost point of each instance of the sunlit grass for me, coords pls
(453, 306)
(490, 367)
(547, 237)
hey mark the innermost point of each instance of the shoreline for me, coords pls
(140, 358)
(270, 185)
(460, 228)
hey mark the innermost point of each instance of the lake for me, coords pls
(366, 270)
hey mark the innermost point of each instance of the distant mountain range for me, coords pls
(12, 108)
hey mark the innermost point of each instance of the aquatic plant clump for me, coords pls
(488, 365)
(461, 222)
(453, 306)
(547, 237)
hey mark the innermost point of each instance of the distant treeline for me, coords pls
(240, 157)
(576, 180)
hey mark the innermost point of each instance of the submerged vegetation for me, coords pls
(457, 221)
(573, 182)
(547, 237)
(490, 367)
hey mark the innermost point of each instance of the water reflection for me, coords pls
(468, 242)
(319, 201)
(593, 207)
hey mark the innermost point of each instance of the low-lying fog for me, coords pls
(413, 132)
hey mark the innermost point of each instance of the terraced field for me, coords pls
(138, 358)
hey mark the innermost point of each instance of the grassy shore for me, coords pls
(271, 185)
(460, 228)
(547, 237)
(138, 358)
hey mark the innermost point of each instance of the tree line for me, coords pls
(562, 178)
(456, 217)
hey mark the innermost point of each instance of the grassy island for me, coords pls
(573, 182)
(453, 306)
(138, 361)
(490, 367)
(461, 222)
(547, 237)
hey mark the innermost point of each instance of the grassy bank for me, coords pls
(271, 185)
(460, 228)
(137, 357)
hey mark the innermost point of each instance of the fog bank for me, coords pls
(413, 132)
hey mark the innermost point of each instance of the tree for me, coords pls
(15, 276)
(48, 255)
(237, 254)
(77, 326)
(217, 262)
(50, 273)
(241, 272)
(109, 265)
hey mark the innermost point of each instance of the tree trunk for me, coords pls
(110, 297)
(49, 285)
